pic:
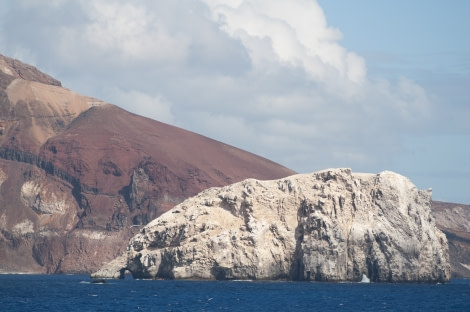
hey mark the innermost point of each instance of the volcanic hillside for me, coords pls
(79, 176)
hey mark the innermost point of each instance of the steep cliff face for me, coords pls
(327, 226)
(79, 177)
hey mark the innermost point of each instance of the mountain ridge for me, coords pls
(18, 69)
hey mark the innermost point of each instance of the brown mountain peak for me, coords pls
(24, 71)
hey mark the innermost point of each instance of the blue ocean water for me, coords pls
(77, 293)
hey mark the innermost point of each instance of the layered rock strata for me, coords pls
(331, 225)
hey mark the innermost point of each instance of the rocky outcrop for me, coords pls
(331, 225)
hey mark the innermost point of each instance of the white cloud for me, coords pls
(266, 76)
(297, 32)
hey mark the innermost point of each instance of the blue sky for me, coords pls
(425, 41)
(369, 85)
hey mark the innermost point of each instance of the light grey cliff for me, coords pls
(331, 225)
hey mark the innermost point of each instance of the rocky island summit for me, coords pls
(332, 225)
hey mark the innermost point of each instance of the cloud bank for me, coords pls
(268, 76)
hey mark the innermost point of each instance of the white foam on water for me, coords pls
(365, 279)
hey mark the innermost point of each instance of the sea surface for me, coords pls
(78, 293)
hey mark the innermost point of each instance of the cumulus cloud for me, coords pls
(297, 33)
(266, 76)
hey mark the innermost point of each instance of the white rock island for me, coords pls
(332, 225)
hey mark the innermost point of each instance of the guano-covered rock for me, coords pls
(331, 225)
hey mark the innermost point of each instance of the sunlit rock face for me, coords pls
(331, 225)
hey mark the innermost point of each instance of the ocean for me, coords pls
(77, 293)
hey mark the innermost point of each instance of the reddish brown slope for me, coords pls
(109, 142)
(78, 177)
